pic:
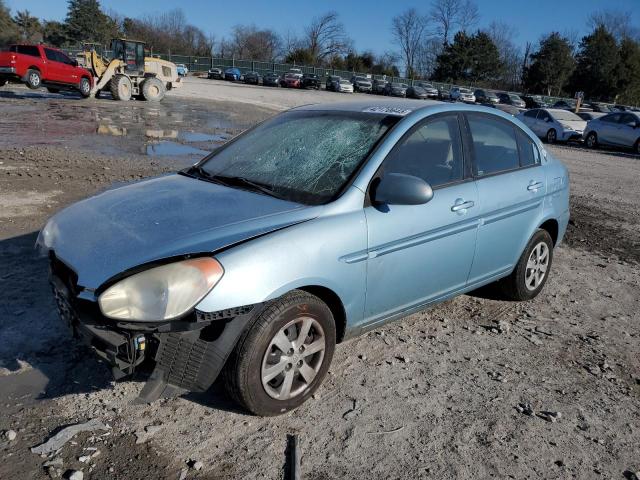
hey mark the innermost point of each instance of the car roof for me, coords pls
(385, 106)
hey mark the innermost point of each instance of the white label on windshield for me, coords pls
(391, 110)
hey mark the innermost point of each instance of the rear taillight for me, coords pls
(13, 59)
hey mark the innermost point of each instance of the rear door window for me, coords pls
(28, 50)
(494, 144)
(613, 118)
(51, 55)
(432, 151)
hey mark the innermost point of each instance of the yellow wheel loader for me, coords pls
(129, 73)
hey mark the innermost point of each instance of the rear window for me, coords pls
(529, 153)
(27, 50)
(494, 144)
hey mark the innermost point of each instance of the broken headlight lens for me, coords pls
(161, 293)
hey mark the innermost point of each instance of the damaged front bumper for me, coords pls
(188, 354)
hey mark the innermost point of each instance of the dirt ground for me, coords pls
(442, 394)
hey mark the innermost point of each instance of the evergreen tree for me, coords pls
(551, 66)
(628, 73)
(472, 58)
(597, 66)
(54, 33)
(29, 28)
(87, 22)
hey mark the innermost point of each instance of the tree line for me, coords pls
(442, 43)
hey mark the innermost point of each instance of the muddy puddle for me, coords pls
(175, 131)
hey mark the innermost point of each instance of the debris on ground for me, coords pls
(142, 436)
(525, 408)
(552, 417)
(10, 435)
(63, 436)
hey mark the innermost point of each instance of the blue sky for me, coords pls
(368, 22)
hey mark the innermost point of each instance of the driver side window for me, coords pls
(432, 152)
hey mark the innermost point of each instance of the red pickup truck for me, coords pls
(41, 66)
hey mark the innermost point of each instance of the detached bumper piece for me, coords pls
(189, 353)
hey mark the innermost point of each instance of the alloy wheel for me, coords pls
(293, 358)
(537, 265)
(34, 78)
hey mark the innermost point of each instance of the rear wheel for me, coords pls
(592, 140)
(153, 89)
(84, 87)
(284, 355)
(34, 79)
(552, 136)
(121, 88)
(532, 270)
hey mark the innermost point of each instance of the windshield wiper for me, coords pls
(245, 182)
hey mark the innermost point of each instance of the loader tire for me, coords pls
(121, 88)
(153, 90)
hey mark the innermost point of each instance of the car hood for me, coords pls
(573, 124)
(160, 218)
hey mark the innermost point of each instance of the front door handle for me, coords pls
(534, 186)
(461, 205)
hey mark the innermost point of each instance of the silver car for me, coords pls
(620, 129)
(462, 95)
(554, 125)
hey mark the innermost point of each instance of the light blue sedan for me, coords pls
(311, 228)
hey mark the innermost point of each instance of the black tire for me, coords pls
(53, 90)
(34, 79)
(636, 147)
(592, 140)
(3, 82)
(552, 136)
(84, 87)
(243, 370)
(121, 88)
(153, 90)
(514, 287)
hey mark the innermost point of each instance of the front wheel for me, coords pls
(532, 270)
(551, 136)
(34, 79)
(85, 87)
(121, 88)
(592, 140)
(284, 355)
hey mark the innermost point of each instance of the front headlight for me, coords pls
(161, 293)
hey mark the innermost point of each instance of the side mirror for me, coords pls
(401, 189)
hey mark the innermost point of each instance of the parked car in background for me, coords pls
(182, 69)
(271, 79)
(252, 78)
(619, 108)
(296, 71)
(459, 94)
(396, 89)
(618, 129)
(232, 74)
(291, 80)
(563, 105)
(311, 80)
(554, 125)
(509, 109)
(511, 99)
(361, 84)
(432, 92)
(41, 66)
(443, 94)
(384, 225)
(485, 96)
(599, 107)
(587, 116)
(534, 101)
(344, 86)
(378, 85)
(417, 92)
(332, 83)
(215, 74)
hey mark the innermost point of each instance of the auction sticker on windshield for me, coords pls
(388, 110)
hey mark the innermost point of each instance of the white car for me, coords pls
(295, 71)
(553, 124)
(460, 94)
(344, 86)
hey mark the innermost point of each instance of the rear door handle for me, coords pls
(534, 186)
(461, 205)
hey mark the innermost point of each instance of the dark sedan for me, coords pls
(511, 99)
(563, 105)
(485, 96)
(396, 89)
(252, 78)
(378, 86)
(417, 92)
(311, 80)
(271, 80)
(430, 90)
(534, 101)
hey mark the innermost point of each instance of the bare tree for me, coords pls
(325, 37)
(451, 15)
(617, 22)
(409, 31)
(248, 41)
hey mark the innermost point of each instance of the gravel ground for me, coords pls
(470, 388)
